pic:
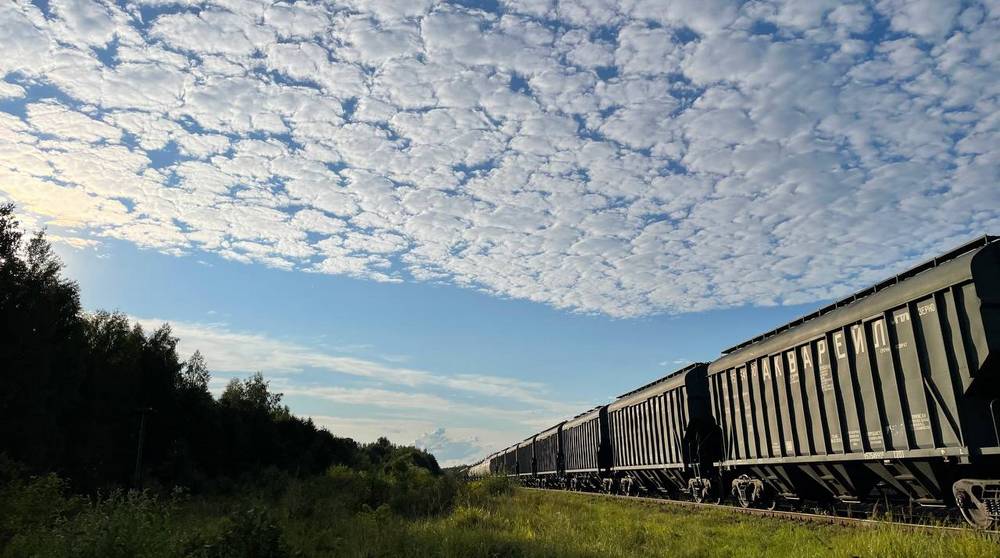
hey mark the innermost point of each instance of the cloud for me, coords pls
(367, 429)
(618, 158)
(237, 352)
(449, 450)
(450, 446)
(365, 399)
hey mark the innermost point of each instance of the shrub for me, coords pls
(416, 492)
(483, 492)
(121, 524)
(28, 505)
(339, 492)
(247, 534)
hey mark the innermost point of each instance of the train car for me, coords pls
(525, 452)
(663, 438)
(548, 456)
(496, 463)
(889, 393)
(586, 451)
(510, 461)
(479, 470)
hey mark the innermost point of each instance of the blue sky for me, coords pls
(457, 222)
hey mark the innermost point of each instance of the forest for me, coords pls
(95, 409)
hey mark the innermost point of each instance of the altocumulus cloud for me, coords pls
(616, 157)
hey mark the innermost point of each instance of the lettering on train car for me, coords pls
(920, 421)
(875, 437)
(825, 370)
(858, 338)
(890, 454)
(880, 339)
(806, 356)
(855, 437)
(793, 368)
(838, 344)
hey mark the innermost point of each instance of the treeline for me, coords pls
(104, 403)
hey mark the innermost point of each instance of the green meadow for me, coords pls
(409, 512)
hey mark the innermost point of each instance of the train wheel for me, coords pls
(751, 492)
(971, 497)
(975, 516)
(698, 495)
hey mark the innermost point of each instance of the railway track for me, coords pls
(791, 515)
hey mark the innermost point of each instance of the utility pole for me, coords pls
(137, 474)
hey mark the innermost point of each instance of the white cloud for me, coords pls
(450, 450)
(451, 446)
(364, 399)
(626, 158)
(231, 351)
(56, 120)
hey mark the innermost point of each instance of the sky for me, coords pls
(456, 223)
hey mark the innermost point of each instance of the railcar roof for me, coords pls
(549, 431)
(976, 244)
(658, 381)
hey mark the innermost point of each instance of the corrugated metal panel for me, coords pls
(828, 388)
(581, 439)
(890, 373)
(647, 428)
(510, 461)
(526, 457)
(547, 451)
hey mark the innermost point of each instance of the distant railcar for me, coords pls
(496, 463)
(510, 461)
(586, 452)
(663, 436)
(891, 392)
(479, 470)
(526, 458)
(548, 456)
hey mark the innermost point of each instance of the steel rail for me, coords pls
(784, 514)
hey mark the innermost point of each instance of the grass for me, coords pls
(566, 524)
(351, 514)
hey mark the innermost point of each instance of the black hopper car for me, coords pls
(890, 397)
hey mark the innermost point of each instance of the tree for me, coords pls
(80, 391)
(253, 394)
(10, 234)
(196, 375)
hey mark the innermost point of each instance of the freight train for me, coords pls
(889, 397)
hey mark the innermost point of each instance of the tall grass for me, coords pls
(347, 513)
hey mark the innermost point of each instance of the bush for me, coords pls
(121, 524)
(416, 492)
(341, 491)
(407, 491)
(246, 534)
(28, 505)
(483, 492)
